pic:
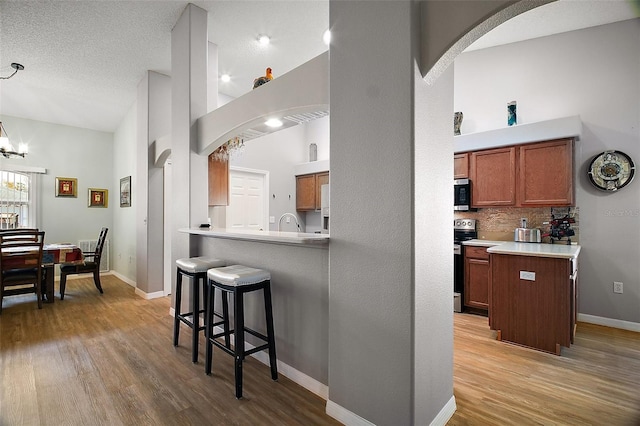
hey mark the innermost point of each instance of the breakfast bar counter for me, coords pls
(275, 237)
(299, 268)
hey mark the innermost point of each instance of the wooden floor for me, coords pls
(109, 360)
(595, 382)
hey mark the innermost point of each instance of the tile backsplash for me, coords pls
(499, 223)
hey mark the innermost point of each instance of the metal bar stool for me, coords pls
(196, 269)
(238, 280)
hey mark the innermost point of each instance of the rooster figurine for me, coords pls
(264, 79)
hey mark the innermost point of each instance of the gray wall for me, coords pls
(124, 218)
(371, 263)
(593, 73)
(299, 280)
(66, 151)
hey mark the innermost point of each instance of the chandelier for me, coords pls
(231, 149)
(6, 149)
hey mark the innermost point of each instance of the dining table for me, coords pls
(53, 254)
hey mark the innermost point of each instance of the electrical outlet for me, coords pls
(617, 287)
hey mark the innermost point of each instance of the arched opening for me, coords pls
(563, 84)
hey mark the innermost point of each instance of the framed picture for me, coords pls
(98, 197)
(125, 192)
(66, 187)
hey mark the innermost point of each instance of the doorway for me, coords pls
(248, 207)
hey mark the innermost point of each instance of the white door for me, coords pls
(248, 200)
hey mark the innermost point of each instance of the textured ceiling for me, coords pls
(84, 59)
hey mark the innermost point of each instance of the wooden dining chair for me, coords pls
(88, 266)
(21, 263)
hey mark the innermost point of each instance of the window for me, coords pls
(17, 195)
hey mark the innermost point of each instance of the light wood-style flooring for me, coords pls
(595, 382)
(109, 360)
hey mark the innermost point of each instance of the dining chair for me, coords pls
(21, 263)
(92, 266)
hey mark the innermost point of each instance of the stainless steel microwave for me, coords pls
(462, 194)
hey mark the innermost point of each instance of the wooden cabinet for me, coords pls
(461, 166)
(218, 182)
(545, 174)
(531, 175)
(493, 177)
(308, 191)
(533, 300)
(476, 277)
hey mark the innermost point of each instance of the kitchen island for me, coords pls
(299, 267)
(533, 294)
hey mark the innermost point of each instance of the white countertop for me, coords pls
(263, 236)
(558, 250)
(482, 243)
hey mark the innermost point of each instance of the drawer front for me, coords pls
(476, 252)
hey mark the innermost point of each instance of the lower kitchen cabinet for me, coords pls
(476, 277)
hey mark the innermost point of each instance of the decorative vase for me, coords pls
(512, 117)
(457, 122)
(313, 152)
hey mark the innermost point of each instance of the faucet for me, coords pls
(290, 215)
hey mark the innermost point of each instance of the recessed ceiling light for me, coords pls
(273, 122)
(326, 37)
(225, 78)
(264, 40)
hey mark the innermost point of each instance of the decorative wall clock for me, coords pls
(611, 170)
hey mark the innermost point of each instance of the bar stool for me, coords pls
(196, 269)
(238, 280)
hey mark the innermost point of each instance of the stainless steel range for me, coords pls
(463, 230)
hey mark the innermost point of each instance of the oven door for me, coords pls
(458, 277)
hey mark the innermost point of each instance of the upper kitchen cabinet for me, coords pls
(493, 177)
(218, 182)
(546, 174)
(530, 175)
(461, 166)
(308, 191)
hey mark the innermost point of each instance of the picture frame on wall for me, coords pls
(125, 191)
(98, 197)
(66, 187)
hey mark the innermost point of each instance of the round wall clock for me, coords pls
(611, 170)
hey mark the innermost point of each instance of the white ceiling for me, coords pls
(84, 59)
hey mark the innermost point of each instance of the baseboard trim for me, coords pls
(123, 278)
(296, 376)
(609, 322)
(149, 296)
(345, 416)
(446, 413)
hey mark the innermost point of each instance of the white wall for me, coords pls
(124, 218)
(278, 153)
(594, 73)
(65, 151)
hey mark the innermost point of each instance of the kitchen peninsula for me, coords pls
(299, 267)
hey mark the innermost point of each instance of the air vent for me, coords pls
(90, 245)
(306, 117)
